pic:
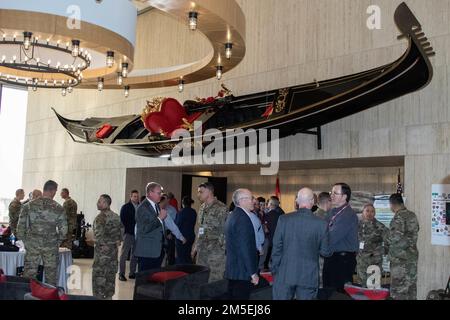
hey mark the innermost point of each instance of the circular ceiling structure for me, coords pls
(53, 44)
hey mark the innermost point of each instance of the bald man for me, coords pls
(299, 240)
(241, 267)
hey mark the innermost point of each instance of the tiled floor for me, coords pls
(124, 289)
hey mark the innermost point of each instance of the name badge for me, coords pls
(361, 245)
(201, 231)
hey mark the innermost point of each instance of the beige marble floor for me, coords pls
(124, 289)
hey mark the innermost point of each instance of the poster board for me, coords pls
(440, 214)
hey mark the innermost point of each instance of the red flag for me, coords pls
(277, 189)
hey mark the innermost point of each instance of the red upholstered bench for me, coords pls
(104, 132)
(43, 291)
(164, 276)
(177, 282)
(360, 293)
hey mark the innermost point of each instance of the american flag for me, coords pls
(277, 188)
(399, 184)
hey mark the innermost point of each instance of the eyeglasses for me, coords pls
(335, 193)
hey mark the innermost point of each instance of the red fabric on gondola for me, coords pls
(173, 111)
(156, 122)
(191, 118)
(104, 131)
(170, 118)
(268, 112)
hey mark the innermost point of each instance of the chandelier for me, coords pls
(90, 44)
(28, 62)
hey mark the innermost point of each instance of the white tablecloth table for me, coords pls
(10, 261)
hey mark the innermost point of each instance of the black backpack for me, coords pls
(441, 294)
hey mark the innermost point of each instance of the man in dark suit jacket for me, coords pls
(185, 221)
(272, 219)
(299, 239)
(127, 217)
(241, 260)
(150, 229)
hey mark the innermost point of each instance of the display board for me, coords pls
(440, 214)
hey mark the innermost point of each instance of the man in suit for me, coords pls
(273, 215)
(150, 230)
(241, 261)
(127, 217)
(185, 221)
(342, 221)
(299, 239)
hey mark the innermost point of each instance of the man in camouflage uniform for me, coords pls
(14, 210)
(70, 210)
(371, 234)
(108, 235)
(323, 205)
(42, 226)
(403, 255)
(210, 242)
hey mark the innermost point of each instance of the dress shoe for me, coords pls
(122, 277)
(132, 276)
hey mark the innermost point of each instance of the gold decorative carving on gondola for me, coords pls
(153, 105)
(187, 125)
(281, 100)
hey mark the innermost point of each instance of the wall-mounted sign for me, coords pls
(440, 215)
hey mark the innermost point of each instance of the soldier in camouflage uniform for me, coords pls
(403, 255)
(14, 210)
(108, 235)
(210, 242)
(36, 194)
(371, 234)
(42, 226)
(323, 205)
(70, 210)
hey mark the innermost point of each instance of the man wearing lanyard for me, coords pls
(343, 229)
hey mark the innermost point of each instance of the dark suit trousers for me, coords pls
(338, 270)
(268, 257)
(171, 251)
(239, 289)
(150, 263)
(183, 253)
(283, 291)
